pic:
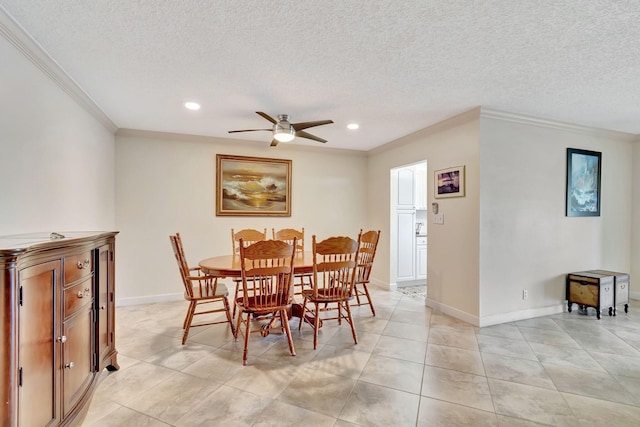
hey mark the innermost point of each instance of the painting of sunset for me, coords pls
(253, 186)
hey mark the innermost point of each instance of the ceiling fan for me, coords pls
(285, 131)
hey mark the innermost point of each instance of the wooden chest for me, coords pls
(590, 289)
(621, 286)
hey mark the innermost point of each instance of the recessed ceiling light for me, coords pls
(192, 106)
(353, 126)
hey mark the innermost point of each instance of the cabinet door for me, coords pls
(105, 305)
(38, 348)
(421, 262)
(77, 355)
(406, 245)
(406, 192)
(421, 189)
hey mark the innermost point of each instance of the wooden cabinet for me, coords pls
(34, 372)
(105, 308)
(54, 339)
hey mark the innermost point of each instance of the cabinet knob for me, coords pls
(84, 264)
(69, 365)
(80, 294)
(102, 307)
(62, 339)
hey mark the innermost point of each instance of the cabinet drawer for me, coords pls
(77, 266)
(77, 296)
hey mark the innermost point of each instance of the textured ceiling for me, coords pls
(392, 66)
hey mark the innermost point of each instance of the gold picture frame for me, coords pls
(449, 182)
(252, 186)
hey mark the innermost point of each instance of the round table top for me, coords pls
(229, 265)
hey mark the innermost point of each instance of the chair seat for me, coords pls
(325, 295)
(203, 292)
(256, 303)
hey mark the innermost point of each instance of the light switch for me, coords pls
(438, 218)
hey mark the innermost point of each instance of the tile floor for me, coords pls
(412, 366)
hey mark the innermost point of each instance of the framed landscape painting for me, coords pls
(449, 182)
(583, 182)
(252, 186)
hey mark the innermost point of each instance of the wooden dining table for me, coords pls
(229, 266)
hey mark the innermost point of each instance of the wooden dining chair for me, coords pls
(366, 255)
(248, 236)
(200, 289)
(267, 275)
(335, 261)
(287, 235)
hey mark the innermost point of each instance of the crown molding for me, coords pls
(491, 113)
(450, 122)
(25, 44)
(289, 146)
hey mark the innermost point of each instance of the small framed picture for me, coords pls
(449, 182)
(583, 182)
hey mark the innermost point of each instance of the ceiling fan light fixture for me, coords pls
(283, 131)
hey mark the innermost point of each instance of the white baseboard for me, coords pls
(529, 313)
(451, 311)
(634, 295)
(497, 318)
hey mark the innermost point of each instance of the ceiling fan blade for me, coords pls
(274, 142)
(303, 134)
(249, 130)
(306, 125)
(266, 116)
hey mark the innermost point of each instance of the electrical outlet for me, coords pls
(525, 294)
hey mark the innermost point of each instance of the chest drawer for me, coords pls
(591, 289)
(77, 296)
(77, 267)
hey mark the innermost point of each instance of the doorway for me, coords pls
(408, 225)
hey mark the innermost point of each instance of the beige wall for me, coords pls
(166, 184)
(453, 248)
(57, 161)
(526, 241)
(635, 219)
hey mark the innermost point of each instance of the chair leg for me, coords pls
(350, 319)
(366, 291)
(357, 293)
(235, 299)
(227, 311)
(187, 320)
(238, 326)
(303, 315)
(246, 338)
(316, 326)
(285, 327)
